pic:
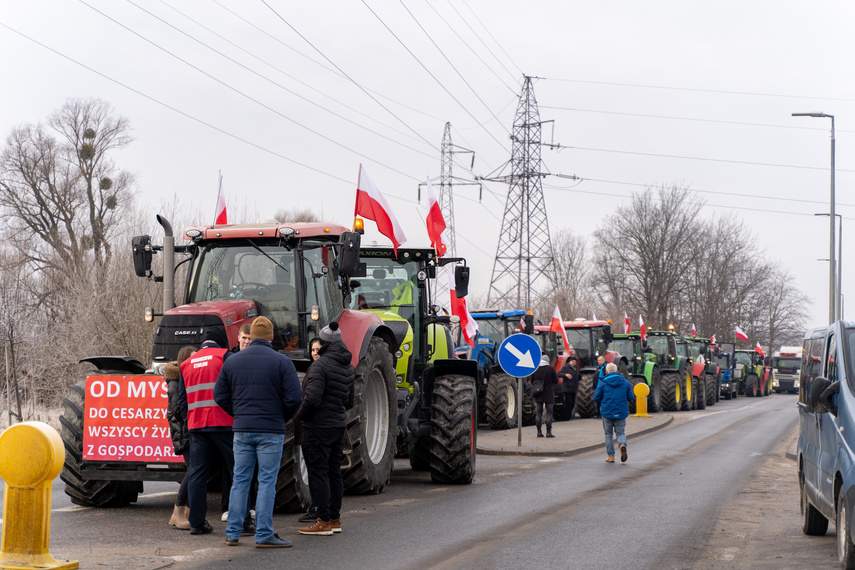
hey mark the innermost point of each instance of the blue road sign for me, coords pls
(519, 355)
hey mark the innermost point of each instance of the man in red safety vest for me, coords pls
(210, 427)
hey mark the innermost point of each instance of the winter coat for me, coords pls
(260, 388)
(546, 374)
(329, 388)
(177, 425)
(614, 394)
(570, 379)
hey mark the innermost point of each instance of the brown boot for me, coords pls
(180, 518)
(320, 528)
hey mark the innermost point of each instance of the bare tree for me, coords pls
(573, 268)
(644, 251)
(296, 215)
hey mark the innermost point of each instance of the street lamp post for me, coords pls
(833, 295)
(839, 297)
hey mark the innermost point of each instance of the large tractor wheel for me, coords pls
(501, 401)
(671, 400)
(87, 492)
(453, 430)
(701, 396)
(718, 387)
(372, 422)
(751, 385)
(689, 389)
(654, 398)
(710, 380)
(292, 481)
(585, 396)
(529, 411)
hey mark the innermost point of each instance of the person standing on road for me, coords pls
(569, 385)
(614, 394)
(329, 393)
(260, 388)
(243, 338)
(548, 378)
(210, 427)
(311, 515)
(180, 436)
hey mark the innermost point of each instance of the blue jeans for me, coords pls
(266, 448)
(619, 426)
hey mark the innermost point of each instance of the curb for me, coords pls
(570, 452)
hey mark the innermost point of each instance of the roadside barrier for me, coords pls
(641, 391)
(31, 456)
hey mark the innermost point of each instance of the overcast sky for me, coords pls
(288, 98)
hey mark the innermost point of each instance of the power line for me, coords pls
(444, 21)
(305, 39)
(241, 93)
(519, 71)
(450, 94)
(719, 91)
(174, 109)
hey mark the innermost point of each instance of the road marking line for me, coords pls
(550, 460)
(70, 509)
(398, 502)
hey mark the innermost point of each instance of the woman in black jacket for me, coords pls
(180, 436)
(569, 377)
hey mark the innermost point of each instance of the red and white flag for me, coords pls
(458, 308)
(557, 326)
(436, 227)
(371, 204)
(522, 323)
(758, 349)
(712, 340)
(694, 332)
(220, 217)
(625, 323)
(593, 317)
(642, 328)
(740, 334)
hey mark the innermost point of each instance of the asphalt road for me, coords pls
(669, 506)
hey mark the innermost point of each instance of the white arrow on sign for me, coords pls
(525, 360)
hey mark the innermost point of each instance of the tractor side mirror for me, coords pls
(461, 281)
(529, 324)
(348, 262)
(607, 333)
(141, 246)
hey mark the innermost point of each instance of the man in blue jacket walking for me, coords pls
(614, 394)
(259, 387)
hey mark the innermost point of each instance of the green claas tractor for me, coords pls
(643, 366)
(436, 393)
(298, 275)
(674, 368)
(705, 367)
(497, 390)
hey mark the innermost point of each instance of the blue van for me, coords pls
(826, 446)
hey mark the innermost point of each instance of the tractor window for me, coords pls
(722, 362)
(243, 272)
(744, 358)
(659, 346)
(494, 329)
(320, 275)
(580, 345)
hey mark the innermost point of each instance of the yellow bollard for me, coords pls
(31, 456)
(641, 391)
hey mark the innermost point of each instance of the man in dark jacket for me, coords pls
(259, 387)
(614, 393)
(569, 377)
(329, 393)
(548, 378)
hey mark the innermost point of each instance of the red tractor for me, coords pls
(588, 340)
(296, 274)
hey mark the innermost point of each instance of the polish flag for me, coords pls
(626, 323)
(712, 340)
(740, 334)
(758, 349)
(220, 217)
(458, 308)
(642, 327)
(593, 317)
(522, 323)
(435, 223)
(371, 204)
(557, 326)
(694, 332)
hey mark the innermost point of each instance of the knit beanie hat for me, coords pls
(330, 333)
(261, 328)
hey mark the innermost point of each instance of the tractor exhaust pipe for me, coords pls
(168, 264)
